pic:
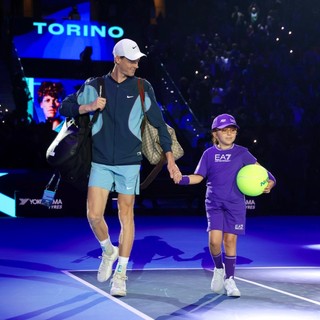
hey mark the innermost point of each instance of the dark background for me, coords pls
(264, 72)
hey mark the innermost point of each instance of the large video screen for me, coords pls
(60, 36)
(47, 94)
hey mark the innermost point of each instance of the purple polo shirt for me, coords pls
(220, 168)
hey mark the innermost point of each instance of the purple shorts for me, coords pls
(227, 216)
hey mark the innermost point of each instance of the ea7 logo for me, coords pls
(222, 157)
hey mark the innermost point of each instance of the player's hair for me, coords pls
(53, 89)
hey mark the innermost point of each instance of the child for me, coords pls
(225, 204)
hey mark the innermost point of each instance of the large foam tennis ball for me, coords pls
(252, 180)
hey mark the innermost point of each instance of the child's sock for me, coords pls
(218, 261)
(230, 264)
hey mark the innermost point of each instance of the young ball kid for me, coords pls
(225, 204)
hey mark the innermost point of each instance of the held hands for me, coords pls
(175, 174)
(174, 171)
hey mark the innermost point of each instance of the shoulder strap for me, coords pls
(141, 93)
(101, 87)
(155, 171)
(102, 93)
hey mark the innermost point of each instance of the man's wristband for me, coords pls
(184, 181)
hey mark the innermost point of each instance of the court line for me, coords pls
(110, 297)
(146, 317)
(279, 291)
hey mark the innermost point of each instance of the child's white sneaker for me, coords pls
(231, 288)
(217, 283)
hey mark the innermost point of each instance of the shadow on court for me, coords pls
(185, 294)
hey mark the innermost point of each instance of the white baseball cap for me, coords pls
(127, 48)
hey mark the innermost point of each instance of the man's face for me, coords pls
(128, 67)
(50, 106)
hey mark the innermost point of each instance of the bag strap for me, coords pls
(93, 119)
(156, 170)
(142, 99)
(142, 96)
(102, 88)
(102, 93)
(56, 173)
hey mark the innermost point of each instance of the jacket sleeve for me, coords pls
(86, 94)
(70, 106)
(155, 117)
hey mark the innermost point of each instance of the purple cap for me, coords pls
(224, 120)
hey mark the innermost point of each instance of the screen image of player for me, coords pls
(47, 94)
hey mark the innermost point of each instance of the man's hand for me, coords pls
(173, 169)
(99, 103)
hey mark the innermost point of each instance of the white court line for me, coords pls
(145, 317)
(279, 291)
(288, 267)
(126, 306)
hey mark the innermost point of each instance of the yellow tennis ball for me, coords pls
(252, 180)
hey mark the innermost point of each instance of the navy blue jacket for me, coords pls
(116, 134)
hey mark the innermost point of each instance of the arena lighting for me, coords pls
(7, 204)
(313, 246)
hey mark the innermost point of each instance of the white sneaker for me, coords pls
(105, 268)
(118, 285)
(217, 283)
(231, 288)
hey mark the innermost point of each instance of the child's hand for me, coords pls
(269, 187)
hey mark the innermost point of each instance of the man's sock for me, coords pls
(106, 246)
(121, 267)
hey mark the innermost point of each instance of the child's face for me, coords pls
(226, 136)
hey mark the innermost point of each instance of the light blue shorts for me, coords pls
(121, 179)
